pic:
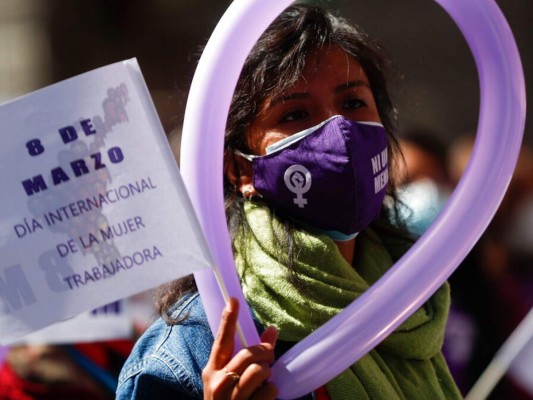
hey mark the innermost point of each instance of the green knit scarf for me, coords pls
(406, 365)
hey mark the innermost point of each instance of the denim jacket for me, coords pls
(167, 360)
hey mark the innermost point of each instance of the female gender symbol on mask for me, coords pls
(298, 180)
(363, 324)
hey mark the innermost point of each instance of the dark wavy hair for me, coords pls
(273, 66)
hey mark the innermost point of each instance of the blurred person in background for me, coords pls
(492, 288)
(424, 186)
(51, 372)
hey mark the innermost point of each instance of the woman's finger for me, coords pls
(270, 335)
(251, 380)
(268, 391)
(219, 384)
(224, 343)
(241, 376)
(262, 353)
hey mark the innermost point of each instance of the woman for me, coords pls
(309, 158)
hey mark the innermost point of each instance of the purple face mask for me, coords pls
(331, 178)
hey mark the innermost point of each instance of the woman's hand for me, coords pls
(245, 375)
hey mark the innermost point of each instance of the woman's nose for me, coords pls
(326, 112)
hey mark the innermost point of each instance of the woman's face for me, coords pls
(339, 86)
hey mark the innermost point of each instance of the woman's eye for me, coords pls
(295, 115)
(353, 104)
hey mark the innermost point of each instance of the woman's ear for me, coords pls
(239, 172)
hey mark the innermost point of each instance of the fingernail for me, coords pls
(231, 304)
(272, 328)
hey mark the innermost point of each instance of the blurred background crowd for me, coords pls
(46, 41)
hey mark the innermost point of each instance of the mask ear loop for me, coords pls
(249, 157)
(249, 192)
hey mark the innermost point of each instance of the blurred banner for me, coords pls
(110, 322)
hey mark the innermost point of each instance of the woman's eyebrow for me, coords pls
(351, 85)
(301, 95)
(288, 97)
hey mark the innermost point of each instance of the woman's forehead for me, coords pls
(334, 65)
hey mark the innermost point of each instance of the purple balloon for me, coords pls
(202, 146)
(362, 325)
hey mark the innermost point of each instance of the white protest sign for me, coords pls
(110, 322)
(92, 206)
